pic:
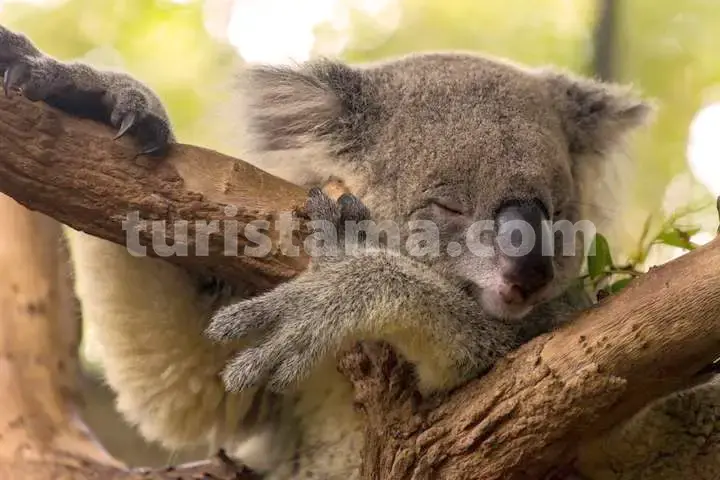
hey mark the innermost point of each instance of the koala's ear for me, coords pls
(596, 116)
(294, 107)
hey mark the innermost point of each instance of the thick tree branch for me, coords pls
(72, 171)
(523, 420)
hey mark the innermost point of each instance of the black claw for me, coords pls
(152, 150)
(127, 122)
(13, 75)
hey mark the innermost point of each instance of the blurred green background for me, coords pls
(187, 51)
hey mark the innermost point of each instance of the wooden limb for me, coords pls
(72, 171)
(527, 417)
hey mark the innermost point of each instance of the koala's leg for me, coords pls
(146, 319)
(674, 438)
(110, 97)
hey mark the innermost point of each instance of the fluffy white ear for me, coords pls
(294, 107)
(596, 116)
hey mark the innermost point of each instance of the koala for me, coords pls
(450, 139)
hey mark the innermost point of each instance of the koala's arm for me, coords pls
(110, 97)
(675, 437)
(378, 294)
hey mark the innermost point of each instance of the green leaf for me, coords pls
(678, 238)
(602, 259)
(619, 285)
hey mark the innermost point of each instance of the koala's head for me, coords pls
(487, 151)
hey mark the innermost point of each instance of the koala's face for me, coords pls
(504, 223)
(489, 160)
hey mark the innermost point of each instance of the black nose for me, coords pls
(523, 229)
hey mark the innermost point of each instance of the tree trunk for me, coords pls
(604, 40)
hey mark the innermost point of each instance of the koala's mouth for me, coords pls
(499, 305)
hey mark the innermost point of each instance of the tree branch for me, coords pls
(522, 420)
(71, 170)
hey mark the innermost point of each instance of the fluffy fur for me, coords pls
(445, 137)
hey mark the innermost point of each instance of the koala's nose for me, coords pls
(526, 267)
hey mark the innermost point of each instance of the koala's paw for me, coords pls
(25, 69)
(81, 90)
(131, 111)
(285, 333)
(347, 208)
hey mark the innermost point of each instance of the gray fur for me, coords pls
(304, 321)
(441, 137)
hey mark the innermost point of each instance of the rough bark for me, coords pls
(67, 167)
(524, 419)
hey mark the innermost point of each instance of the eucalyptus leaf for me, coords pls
(619, 285)
(602, 259)
(678, 238)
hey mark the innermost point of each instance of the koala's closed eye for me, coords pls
(447, 207)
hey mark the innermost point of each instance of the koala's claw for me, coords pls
(127, 122)
(352, 209)
(157, 149)
(132, 115)
(151, 132)
(13, 77)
